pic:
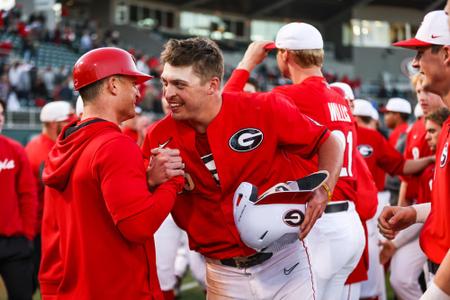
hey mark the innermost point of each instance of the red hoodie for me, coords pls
(99, 217)
(18, 199)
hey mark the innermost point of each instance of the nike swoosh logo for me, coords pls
(289, 271)
(435, 36)
(165, 143)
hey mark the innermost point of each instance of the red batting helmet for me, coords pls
(103, 62)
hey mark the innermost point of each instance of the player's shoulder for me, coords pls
(9, 142)
(161, 125)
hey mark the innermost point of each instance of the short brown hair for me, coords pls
(92, 90)
(202, 54)
(309, 58)
(439, 116)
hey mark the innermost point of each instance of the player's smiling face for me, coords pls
(186, 94)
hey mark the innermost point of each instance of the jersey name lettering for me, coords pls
(338, 112)
(6, 164)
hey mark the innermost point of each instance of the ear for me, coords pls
(112, 85)
(446, 51)
(285, 55)
(214, 85)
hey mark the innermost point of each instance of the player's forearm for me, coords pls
(402, 194)
(331, 155)
(422, 211)
(413, 166)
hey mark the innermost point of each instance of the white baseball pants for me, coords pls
(286, 275)
(336, 243)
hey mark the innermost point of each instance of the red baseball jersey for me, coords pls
(425, 182)
(397, 133)
(415, 147)
(435, 235)
(253, 138)
(37, 150)
(18, 199)
(322, 104)
(95, 180)
(379, 155)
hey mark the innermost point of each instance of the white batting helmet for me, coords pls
(272, 220)
(56, 111)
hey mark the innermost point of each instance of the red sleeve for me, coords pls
(390, 159)
(120, 169)
(51, 269)
(300, 134)
(145, 148)
(366, 201)
(27, 194)
(237, 81)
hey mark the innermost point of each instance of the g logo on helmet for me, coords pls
(444, 155)
(246, 139)
(293, 217)
(365, 150)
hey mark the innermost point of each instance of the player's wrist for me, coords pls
(328, 191)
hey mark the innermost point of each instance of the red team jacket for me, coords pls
(18, 205)
(95, 178)
(253, 138)
(380, 156)
(435, 235)
(37, 151)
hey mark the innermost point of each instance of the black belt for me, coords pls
(432, 267)
(246, 261)
(336, 207)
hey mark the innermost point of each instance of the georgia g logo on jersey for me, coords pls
(444, 155)
(246, 139)
(365, 150)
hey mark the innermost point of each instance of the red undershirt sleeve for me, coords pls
(237, 81)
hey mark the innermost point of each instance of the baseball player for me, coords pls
(415, 145)
(18, 213)
(54, 116)
(225, 139)
(381, 157)
(99, 217)
(404, 248)
(396, 114)
(432, 44)
(172, 250)
(300, 58)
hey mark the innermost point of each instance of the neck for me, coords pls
(207, 115)
(50, 133)
(98, 110)
(299, 74)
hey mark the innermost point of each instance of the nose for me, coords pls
(169, 92)
(415, 63)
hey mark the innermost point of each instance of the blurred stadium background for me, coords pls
(40, 40)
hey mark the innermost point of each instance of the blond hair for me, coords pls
(309, 58)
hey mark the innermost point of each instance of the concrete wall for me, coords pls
(370, 63)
